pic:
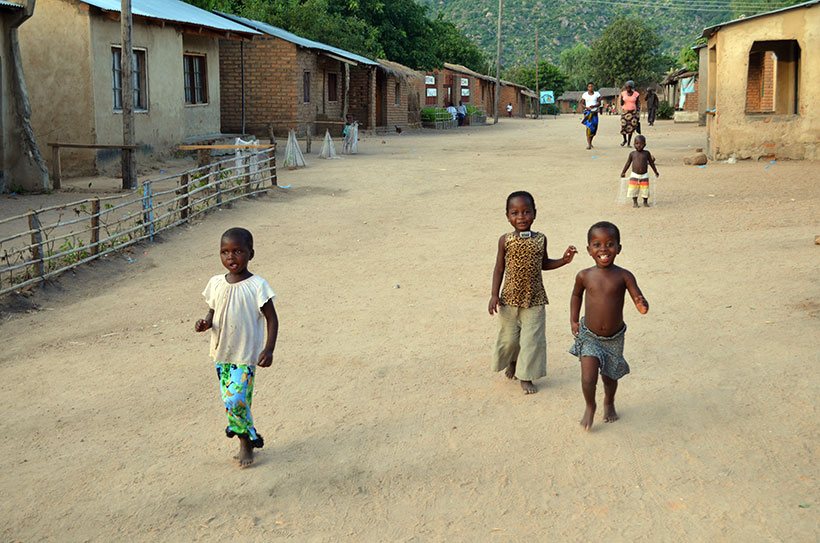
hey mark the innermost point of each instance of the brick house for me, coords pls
(523, 100)
(397, 97)
(454, 83)
(71, 53)
(762, 78)
(287, 81)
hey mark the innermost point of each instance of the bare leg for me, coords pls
(610, 388)
(245, 452)
(528, 387)
(510, 371)
(589, 382)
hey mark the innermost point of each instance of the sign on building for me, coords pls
(547, 97)
(429, 80)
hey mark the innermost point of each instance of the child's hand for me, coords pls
(657, 175)
(569, 254)
(575, 328)
(493, 308)
(202, 325)
(641, 304)
(265, 358)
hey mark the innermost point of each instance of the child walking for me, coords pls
(641, 160)
(599, 334)
(244, 327)
(521, 348)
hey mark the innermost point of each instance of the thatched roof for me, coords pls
(398, 70)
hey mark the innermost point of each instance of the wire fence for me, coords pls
(52, 240)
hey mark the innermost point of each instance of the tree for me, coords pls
(450, 45)
(550, 77)
(627, 49)
(741, 8)
(575, 62)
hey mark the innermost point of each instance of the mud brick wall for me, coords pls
(271, 91)
(760, 86)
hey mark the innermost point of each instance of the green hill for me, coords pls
(562, 23)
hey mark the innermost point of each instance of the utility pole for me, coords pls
(129, 167)
(537, 81)
(498, 62)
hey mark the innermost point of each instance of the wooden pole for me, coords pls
(184, 181)
(36, 244)
(95, 226)
(273, 179)
(347, 92)
(214, 170)
(129, 168)
(537, 81)
(498, 62)
(56, 168)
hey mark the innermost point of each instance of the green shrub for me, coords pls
(665, 111)
(432, 114)
(472, 110)
(552, 109)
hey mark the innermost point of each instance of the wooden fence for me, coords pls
(56, 239)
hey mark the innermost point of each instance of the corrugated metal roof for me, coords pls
(712, 29)
(174, 11)
(277, 32)
(10, 4)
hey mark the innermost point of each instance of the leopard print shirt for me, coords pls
(523, 285)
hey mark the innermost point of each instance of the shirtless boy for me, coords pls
(599, 334)
(640, 159)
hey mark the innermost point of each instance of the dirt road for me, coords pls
(382, 419)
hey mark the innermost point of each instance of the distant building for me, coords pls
(763, 87)
(288, 81)
(72, 54)
(568, 99)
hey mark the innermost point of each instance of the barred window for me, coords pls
(138, 79)
(196, 81)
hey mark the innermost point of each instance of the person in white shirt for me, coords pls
(462, 112)
(244, 327)
(509, 109)
(592, 103)
(452, 111)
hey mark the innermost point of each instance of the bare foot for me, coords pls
(646, 204)
(589, 414)
(245, 452)
(510, 371)
(589, 147)
(609, 413)
(528, 387)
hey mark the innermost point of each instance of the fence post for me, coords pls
(56, 170)
(214, 170)
(95, 226)
(272, 165)
(148, 210)
(184, 181)
(247, 168)
(36, 244)
(307, 138)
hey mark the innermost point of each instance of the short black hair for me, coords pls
(590, 83)
(640, 137)
(519, 194)
(604, 225)
(241, 235)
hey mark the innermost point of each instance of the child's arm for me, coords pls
(652, 163)
(498, 274)
(266, 356)
(628, 163)
(204, 324)
(635, 293)
(555, 263)
(575, 303)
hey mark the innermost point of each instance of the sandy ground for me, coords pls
(382, 418)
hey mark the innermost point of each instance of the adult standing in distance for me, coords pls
(630, 112)
(592, 103)
(652, 103)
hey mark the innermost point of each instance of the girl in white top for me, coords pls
(244, 327)
(592, 102)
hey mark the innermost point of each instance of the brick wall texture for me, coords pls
(275, 87)
(760, 83)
